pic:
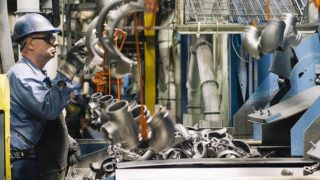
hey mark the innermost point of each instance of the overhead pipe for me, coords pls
(7, 57)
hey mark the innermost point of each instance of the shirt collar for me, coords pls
(33, 67)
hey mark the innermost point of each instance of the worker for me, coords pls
(36, 101)
(75, 112)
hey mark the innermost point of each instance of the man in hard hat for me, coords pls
(37, 101)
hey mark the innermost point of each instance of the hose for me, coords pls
(7, 57)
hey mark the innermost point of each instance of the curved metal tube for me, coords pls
(147, 155)
(100, 24)
(121, 127)
(291, 37)
(124, 10)
(272, 36)
(251, 41)
(162, 131)
(91, 42)
(123, 63)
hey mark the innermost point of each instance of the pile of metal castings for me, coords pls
(119, 122)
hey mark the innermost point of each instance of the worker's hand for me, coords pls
(74, 154)
(74, 60)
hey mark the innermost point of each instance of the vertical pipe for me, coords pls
(7, 57)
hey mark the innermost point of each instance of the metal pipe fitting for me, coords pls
(272, 36)
(291, 37)
(251, 41)
(104, 102)
(162, 131)
(136, 113)
(121, 127)
(94, 101)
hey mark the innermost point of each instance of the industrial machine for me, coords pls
(197, 89)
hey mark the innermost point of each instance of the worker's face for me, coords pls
(44, 45)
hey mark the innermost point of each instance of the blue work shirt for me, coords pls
(34, 100)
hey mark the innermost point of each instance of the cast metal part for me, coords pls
(121, 127)
(162, 130)
(251, 38)
(271, 36)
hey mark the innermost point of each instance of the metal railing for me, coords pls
(239, 11)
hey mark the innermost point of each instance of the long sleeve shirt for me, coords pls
(34, 100)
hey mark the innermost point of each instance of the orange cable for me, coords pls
(268, 10)
(118, 86)
(143, 122)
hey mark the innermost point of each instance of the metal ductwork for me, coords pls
(7, 57)
(201, 63)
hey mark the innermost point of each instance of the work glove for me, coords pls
(74, 154)
(74, 61)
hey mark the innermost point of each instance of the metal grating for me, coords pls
(239, 11)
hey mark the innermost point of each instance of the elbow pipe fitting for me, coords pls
(121, 127)
(162, 131)
(272, 36)
(251, 41)
(291, 37)
(136, 113)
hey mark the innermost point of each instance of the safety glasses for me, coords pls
(50, 38)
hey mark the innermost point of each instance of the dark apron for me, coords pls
(52, 150)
